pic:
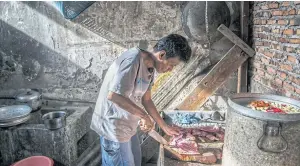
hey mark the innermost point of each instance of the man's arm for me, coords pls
(126, 104)
(151, 109)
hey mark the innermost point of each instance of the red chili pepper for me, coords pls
(276, 110)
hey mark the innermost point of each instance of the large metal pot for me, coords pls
(255, 138)
(31, 98)
(54, 120)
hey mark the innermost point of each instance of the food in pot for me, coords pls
(273, 107)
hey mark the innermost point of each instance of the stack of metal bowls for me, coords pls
(14, 115)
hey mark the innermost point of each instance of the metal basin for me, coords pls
(54, 120)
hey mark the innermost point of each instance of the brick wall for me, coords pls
(276, 39)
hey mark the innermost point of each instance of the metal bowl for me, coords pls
(54, 120)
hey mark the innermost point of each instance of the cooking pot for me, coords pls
(31, 98)
(54, 120)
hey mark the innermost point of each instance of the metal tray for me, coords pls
(14, 112)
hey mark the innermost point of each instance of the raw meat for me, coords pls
(190, 137)
(211, 137)
(185, 142)
(188, 146)
(220, 135)
(199, 132)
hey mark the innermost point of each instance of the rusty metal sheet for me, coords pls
(214, 79)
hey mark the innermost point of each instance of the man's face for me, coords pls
(166, 65)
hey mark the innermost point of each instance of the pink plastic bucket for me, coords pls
(35, 161)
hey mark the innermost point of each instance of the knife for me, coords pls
(157, 137)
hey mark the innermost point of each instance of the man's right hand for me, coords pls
(146, 124)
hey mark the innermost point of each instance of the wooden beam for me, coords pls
(214, 79)
(242, 85)
(236, 40)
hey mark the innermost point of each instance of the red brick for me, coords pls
(267, 44)
(265, 61)
(258, 43)
(271, 21)
(260, 72)
(292, 59)
(288, 32)
(256, 77)
(269, 54)
(290, 77)
(263, 36)
(295, 21)
(277, 13)
(285, 13)
(258, 29)
(288, 86)
(257, 65)
(271, 70)
(278, 82)
(264, 7)
(282, 22)
(261, 50)
(292, 12)
(289, 49)
(273, 5)
(285, 4)
(286, 67)
(277, 55)
(275, 30)
(274, 63)
(266, 29)
(296, 81)
(295, 41)
(283, 40)
(275, 46)
(297, 90)
(281, 74)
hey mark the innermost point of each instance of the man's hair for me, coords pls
(174, 45)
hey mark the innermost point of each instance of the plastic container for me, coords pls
(35, 161)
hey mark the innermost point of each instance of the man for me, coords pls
(125, 90)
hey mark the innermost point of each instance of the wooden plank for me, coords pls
(243, 70)
(214, 79)
(236, 40)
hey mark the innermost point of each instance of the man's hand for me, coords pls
(169, 130)
(146, 124)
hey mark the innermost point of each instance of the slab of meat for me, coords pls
(190, 137)
(198, 132)
(188, 146)
(220, 135)
(184, 144)
(212, 137)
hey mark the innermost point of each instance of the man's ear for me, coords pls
(162, 54)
